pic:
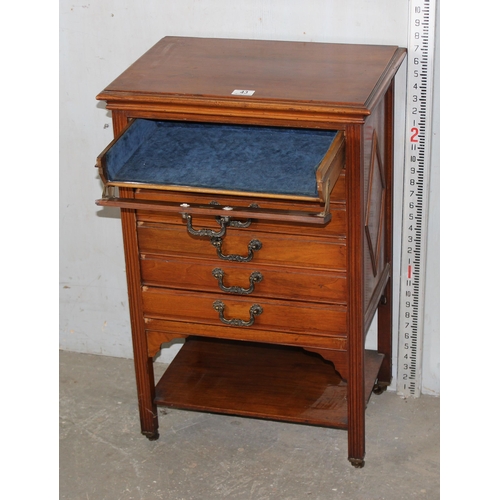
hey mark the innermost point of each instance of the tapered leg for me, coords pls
(355, 310)
(143, 363)
(385, 339)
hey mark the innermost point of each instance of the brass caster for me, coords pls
(152, 436)
(379, 388)
(359, 463)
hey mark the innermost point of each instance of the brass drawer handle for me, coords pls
(239, 224)
(253, 246)
(223, 221)
(236, 223)
(255, 310)
(255, 277)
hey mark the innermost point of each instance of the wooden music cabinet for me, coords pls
(254, 180)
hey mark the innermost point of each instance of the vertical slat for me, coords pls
(143, 363)
(355, 316)
(385, 307)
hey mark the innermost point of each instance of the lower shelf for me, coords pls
(259, 380)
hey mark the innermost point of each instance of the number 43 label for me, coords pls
(243, 92)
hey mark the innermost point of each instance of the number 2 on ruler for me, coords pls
(414, 134)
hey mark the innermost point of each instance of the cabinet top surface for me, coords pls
(322, 73)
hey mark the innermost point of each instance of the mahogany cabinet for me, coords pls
(254, 180)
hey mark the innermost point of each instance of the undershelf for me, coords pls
(259, 380)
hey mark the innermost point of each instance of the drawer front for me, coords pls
(246, 312)
(244, 279)
(314, 253)
(336, 227)
(338, 195)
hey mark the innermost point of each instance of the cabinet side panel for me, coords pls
(376, 192)
(385, 310)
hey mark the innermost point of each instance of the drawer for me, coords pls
(244, 279)
(250, 313)
(294, 251)
(335, 227)
(249, 161)
(221, 158)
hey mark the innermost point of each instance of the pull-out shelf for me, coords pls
(271, 162)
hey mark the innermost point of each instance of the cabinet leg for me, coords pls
(384, 340)
(356, 407)
(146, 393)
(356, 436)
(143, 364)
(356, 426)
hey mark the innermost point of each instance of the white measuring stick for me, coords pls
(421, 41)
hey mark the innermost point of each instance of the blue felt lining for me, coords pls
(222, 157)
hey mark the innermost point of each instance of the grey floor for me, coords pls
(103, 455)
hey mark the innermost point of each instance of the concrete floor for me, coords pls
(103, 455)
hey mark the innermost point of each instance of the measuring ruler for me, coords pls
(421, 35)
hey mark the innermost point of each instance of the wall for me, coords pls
(98, 40)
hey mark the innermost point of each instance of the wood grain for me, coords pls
(277, 281)
(341, 74)
(156, 327)
(278, 315)
(296, 84)
(336, 227)
(143, 363)
(355, 287)
(255, 380)
(290, 251)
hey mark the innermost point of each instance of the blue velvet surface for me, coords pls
(227, 157)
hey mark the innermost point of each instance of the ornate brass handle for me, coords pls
(255, 310)
(237, 223)
(255, 277)
(253, 246)
(223, 221)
